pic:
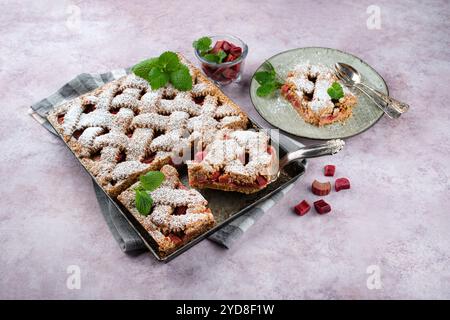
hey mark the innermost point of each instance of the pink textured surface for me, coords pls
(395, 216)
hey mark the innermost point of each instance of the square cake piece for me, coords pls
(178, 214)
(240, 160)
(125, 129)
(306, 89)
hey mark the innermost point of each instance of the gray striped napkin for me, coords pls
(125, 235)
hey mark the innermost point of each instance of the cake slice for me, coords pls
(241, 161)
(178, 214)
(306, 89)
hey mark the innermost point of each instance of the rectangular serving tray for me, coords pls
(225, 206)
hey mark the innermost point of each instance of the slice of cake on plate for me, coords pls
(306, 88)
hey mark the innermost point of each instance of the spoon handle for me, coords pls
(401, 107)
(322, 149)
(387, 108)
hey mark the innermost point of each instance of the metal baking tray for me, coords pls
(225, 206)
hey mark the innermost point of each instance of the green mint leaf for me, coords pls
(143, 202)
(157, 78)
(169, 61)
(152, 180)
(143, 68)
(269, 67)
(221, 55)
(181, 79)
(211, 57)
(335, 91)
(263, 77)
(266, 89)
(202, 45)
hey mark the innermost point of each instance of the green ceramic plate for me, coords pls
(279, 113)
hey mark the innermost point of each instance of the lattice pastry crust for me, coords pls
(306, 89)
(125, 129)
(178, 214)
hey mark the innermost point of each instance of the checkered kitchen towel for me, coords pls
(125, 235)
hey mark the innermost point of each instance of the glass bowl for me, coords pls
(226, 72)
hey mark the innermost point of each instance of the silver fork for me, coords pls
(351, 77)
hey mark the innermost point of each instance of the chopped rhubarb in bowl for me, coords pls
(229, 70)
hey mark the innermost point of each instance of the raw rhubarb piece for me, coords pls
(341, 184)
(302, 208)
(230, 57)
(199, 156)
(237, 67)
(321, 189)
(322, 207)
(329, 170)
(229, 73)
(236, 51)
(226, 46)
(217, 46)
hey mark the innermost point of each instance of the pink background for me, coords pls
(396, 215)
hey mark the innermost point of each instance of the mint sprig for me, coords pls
(203, 46)
(161, 70)
(335, 91)
(269, 80)
(148, 182)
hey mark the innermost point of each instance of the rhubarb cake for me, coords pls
(178, 214)
(306, 88)
(239, 160)
(125, 129)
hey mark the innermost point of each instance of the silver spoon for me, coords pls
(329, 147)
(392, 107)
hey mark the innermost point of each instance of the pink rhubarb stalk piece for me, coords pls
(341, 184)
(322, 207)
(302, 208)
(321, 188)
(329, 170)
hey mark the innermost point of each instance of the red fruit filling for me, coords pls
(89, 108)
(199, 156)
(182, 187)
(149, 158)
(261, 181)
(341, 184)
(77, 133)
(225, 178)
(285, 88)
(215, 176)
(322, 207)
(121, 157)
(321, 189)
(175, 238)
(60, 118)
(180, 210)
(302, 208)
(329, 170)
